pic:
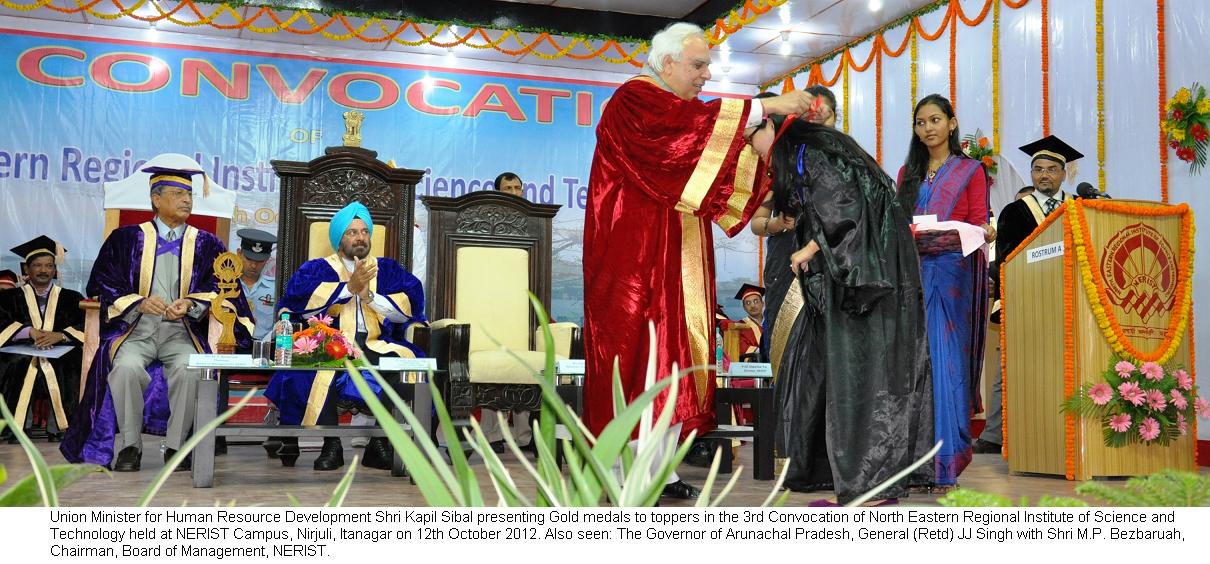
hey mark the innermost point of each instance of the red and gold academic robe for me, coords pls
(664, 169)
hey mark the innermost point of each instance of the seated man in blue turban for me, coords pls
(372, 301)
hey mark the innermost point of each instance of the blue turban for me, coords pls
(342, 219)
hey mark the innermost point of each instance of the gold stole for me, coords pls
(756, 330)
(347, 314)
(791, 306)
(43, 323)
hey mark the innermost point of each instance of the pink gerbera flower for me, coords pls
(321, 318)
(305, 345)
(1181, 425)
(1156, 400)
(1120, 423)
(1124, 368)
(1132, 393)
(1202, 407)
(1183, 379)
(1100, 393)
(1152, 371)
(1178, 399)
(1149, 429)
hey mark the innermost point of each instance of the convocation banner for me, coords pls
(83, 109)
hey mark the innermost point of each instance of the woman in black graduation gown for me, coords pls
(856, 376)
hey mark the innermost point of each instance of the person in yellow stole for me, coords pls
(155, 282)
(667, 165)
(44, 315)
(372, 301)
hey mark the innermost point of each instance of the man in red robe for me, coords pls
(666, 166)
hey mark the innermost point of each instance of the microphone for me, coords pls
(1085, 190)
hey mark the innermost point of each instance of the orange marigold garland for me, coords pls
(1094, 285)
(1163, 89)
(954, 56)
(1069, 346)
(1045, 67)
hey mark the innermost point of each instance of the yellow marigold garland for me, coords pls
(845, 71)
(995, 76)
(1100, 38)
(1094, 286)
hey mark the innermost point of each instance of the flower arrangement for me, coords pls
(976, 146)
(321, 346)
(1185, 125)
(1146, 404)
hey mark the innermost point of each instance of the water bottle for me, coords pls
(718, 352)
(284, 342)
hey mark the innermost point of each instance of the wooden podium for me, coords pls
(1128, 258)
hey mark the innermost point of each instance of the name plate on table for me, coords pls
(221, 361)
(396, 364)
(569, 366)
(750, 370)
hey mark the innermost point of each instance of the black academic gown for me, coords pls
(1016, 222)
(19, 308)
(862, 351)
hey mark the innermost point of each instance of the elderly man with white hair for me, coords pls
(667, 165)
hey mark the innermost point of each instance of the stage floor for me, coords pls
(246, 477)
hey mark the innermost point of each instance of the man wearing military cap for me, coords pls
(255, 248)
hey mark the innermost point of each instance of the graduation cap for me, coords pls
(40, 245)
(1052, 148)
(162, 177)
(749, 289)
(255, 243)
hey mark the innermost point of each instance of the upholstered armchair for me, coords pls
(487, 251)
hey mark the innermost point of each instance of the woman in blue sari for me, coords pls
(938, 179)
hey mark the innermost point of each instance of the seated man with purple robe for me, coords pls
(372, 301)
(155, 282)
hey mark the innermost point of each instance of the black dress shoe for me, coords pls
(498, 447)
(699, 455)
(680, 490)
(332, 456)
(220, 446)
(985, 447)
(378, 454)
(185, 465)
(130, 459)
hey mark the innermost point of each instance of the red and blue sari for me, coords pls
(955, 303)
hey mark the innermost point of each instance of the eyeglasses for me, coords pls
(752, 302)
(759, 127)
(1053, 170)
